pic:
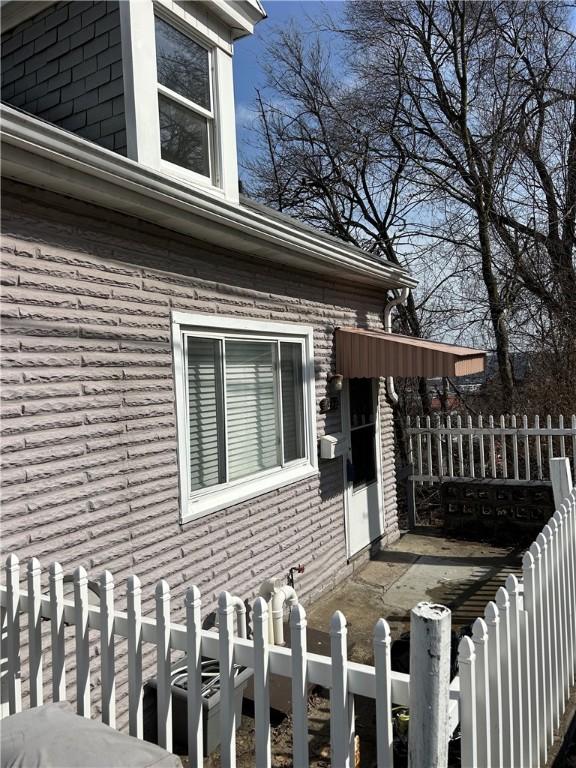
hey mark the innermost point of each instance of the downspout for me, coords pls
(401, 299)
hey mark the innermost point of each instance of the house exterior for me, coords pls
(168, 349)
(167, 345)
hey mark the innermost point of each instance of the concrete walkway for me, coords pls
(421, 565)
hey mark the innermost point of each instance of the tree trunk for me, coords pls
(497, 313)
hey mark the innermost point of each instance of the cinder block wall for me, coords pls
(65, 65)
(88, 418)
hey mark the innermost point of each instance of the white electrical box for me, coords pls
(332, 446)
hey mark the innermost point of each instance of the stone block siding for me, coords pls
(88, 432)
(65, 65)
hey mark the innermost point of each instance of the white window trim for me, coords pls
(141, 93)
(241, 490)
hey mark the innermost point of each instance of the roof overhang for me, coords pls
(239, 15)
(41, 154)
(372, 354)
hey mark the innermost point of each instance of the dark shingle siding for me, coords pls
(65, 65)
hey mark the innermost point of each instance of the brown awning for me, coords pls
(371, 354)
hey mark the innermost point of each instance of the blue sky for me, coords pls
(248, 54)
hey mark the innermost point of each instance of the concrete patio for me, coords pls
(422, 565)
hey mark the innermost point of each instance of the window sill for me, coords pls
(213, 502)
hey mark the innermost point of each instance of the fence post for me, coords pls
(429, 686)
(561, 477)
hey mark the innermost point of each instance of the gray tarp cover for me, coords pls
(54, 736)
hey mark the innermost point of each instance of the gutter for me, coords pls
(40, 154)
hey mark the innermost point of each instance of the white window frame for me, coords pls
(141, 89)
(171, 169)
(208, 500)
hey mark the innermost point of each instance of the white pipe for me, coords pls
(240, 609)
(276, 595)
(400, 299)
(280, 596)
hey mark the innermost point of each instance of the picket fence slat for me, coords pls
(82, 642)
(549, 661)
(562, 438)
(557, 608)
(503, 603)
(571, 565)
(450, 447)
(298, 623)
(419, 444)
(107, 649)
(163, 672)
(341, 707)
(262, 684)
(35, 632)
(492, 619)
(429, 446)
(512, 588)
(194, 677)
(460, 447)
(533, 677)
(562, 586)
(573, 429)
(382, 665)
(57, 627)
(13, 632)
(482, 702)
(538, 448)
(482, 453)
(503, 438)
(515, 448)
(469, 737)
(226, 659)
(134, 633)
(470, 449)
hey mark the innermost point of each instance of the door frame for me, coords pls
(348, 490)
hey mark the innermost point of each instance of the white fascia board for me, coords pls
(44, 155)
(239, 16)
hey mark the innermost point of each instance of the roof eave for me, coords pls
(46, 156)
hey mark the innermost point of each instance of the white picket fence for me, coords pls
(342, 677)
(514, 680)
(517, 669)
(507, 447)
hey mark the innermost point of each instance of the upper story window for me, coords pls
(185, 101)
(245, 404)
(148, 79)
(180, 109)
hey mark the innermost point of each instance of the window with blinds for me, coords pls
(245, 402)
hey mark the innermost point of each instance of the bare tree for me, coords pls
(439, 135)
(483, 87)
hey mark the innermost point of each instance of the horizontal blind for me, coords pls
(205, 413)
(251, 410)
(292, 406)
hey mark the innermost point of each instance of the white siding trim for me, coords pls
(140, 77)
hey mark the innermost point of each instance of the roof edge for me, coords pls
(41, 154)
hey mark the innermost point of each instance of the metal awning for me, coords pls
(371, 354)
